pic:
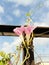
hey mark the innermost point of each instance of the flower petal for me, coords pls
(17, 31)
(22, 28)
(29, 29)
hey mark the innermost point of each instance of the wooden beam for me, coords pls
(41, 32)
(7, 30)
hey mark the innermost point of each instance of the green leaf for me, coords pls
(28, 14)
(2, 54)
(1, 63)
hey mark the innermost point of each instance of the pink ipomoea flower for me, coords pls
(22, 29)
(29, 29)
(19, 31)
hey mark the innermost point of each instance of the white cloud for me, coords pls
(43, 24)
(41, 41)
(1, 9)
(44, 20)
(17, 41)
(8, 47)
(22, 2)
(46, 3)
(17, 12)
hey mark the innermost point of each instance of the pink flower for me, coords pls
(19, 31)
(27, 30)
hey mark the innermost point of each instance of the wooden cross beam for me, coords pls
(7, 30)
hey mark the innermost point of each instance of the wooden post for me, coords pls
(30, 61)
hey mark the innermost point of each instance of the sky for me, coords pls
(13, 12)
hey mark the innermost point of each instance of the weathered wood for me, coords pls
(7, 30)
(29, 61)
(41, 32)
